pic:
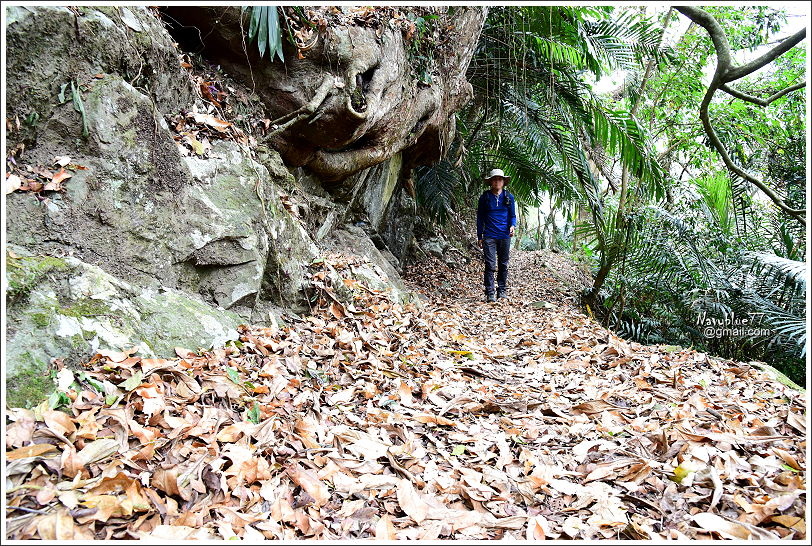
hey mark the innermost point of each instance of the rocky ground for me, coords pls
(444, 418)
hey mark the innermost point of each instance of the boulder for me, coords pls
(397, 227)
(68, 309)
(213, 226)
(434, 246)
(373, 270)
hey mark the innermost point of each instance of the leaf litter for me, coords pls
(444, 418)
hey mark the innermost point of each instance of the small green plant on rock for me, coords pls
(421, 45)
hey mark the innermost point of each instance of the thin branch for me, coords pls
(727, 72)
(761, 102)
(797, 214)
(785, 45)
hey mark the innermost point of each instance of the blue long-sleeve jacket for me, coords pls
(495, 214)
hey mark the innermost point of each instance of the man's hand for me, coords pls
(511, 230)
(479, 242)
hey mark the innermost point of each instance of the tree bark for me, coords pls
(375, 104)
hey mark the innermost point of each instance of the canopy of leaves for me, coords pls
(533, 115)
(709, 251)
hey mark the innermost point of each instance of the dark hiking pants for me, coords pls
(496, 253)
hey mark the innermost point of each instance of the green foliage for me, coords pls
(254, 413)
(266, 28)
(233, 375)
(76, 99)
(58, 399)
(533, 114)
(749, 26)
(420, 47)
(705, 245)
(435, 189)
(684, 266)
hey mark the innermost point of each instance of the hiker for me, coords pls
(495, 222)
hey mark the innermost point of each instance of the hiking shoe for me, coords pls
(491, 298)
(501, 294)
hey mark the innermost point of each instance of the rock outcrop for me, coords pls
(145, 245)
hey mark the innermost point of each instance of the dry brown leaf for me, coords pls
(59, 526)
(593, 406)
(34, 450)
(730, 529)
(61, 176)
(787, 458)
(59, 421)
(796, 421)
(97, 450)
(791, 522)
(116, 356)
(211, 121)
(310, 483)
(384, 529)
(411, 501)
(166, 479)
(436, 419)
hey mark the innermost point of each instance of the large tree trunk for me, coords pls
(353, 98)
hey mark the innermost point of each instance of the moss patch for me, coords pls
(30, 386)
(24, 273)
(85, 307)
(41, 320)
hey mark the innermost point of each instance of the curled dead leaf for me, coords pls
(310, 483)
(436, 419)
(211, 121)
(411, 501)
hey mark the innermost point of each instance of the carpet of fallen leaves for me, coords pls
(450, 418)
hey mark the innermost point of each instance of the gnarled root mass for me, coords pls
(377, 103)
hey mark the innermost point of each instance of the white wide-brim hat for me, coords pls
(497, 172)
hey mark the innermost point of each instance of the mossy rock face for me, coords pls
(71, 309)
(24, 272)
(30, 385)
(48, 46)
(139, 209)
(151, 217)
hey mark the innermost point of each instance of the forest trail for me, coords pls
(452, 419)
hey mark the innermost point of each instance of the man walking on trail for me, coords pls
(495, 222)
